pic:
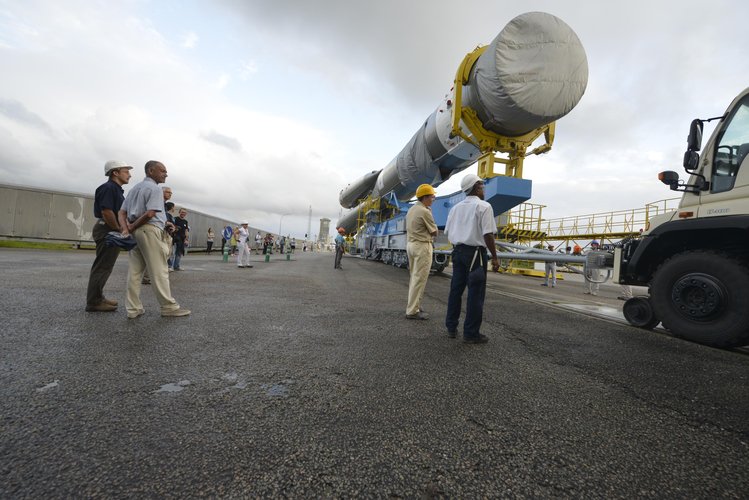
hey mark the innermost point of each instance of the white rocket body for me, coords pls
(534, 72)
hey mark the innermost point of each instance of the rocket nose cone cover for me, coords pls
(534, 72)
(350, 196)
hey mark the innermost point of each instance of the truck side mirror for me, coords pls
(694, 141)
(691, 160)
(670, 178)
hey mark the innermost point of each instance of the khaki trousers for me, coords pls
(419, 262)
(151, 253)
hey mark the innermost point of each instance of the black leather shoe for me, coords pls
(481, 339)
(452, 333)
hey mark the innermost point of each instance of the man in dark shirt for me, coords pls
(107, 202)
(181, 237)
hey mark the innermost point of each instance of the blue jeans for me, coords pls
(177, 251)
(476, 281)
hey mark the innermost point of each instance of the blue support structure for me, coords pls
(386, 240)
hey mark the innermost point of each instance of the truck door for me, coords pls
(729, 177)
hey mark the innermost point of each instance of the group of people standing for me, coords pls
(142, 214)
(470, 227)
(592, 278)
(240, 243)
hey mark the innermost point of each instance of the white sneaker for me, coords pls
(174, 313)
(133, 315)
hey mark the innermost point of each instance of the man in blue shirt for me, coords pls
(180, 237)
(107, 202)
(143, 215)
(340, 242)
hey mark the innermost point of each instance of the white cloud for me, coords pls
(190, 40)
(223, 81)
(248, 69)
(336, 98)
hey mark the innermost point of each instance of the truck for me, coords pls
(695, 259)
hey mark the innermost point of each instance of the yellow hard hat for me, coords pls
(424, 190)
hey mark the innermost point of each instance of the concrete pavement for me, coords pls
(292, 379)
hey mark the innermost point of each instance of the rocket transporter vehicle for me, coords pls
(505, 96)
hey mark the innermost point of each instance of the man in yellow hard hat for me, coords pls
(421, 229)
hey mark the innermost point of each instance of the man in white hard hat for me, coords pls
(470, 228)
(142, 214)
(420, 229)
(107, 202)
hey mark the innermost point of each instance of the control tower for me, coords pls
(323, 235)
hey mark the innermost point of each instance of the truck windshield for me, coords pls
(733, 147)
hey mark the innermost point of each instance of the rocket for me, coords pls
(534, 72)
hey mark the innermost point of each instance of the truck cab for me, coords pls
(695, 259)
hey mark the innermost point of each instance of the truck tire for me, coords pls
(700, 296)
(638, 312)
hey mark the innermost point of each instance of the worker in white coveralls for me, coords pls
(421, 230)
(592, 287)
(243, 255)
(550, 269)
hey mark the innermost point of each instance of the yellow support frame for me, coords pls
(489, 142)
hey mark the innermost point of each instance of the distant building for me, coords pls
(323, 235)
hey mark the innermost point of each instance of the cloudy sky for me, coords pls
(267, 107)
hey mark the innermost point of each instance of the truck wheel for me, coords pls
(638, 312)
(699, 295)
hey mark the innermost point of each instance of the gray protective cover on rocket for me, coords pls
(533, 73)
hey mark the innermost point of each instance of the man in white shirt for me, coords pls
(142, 215)
(470, 228)
(243, 257)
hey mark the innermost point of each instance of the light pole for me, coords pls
(279, 224)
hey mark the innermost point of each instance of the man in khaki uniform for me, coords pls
(421, 229)
(142, 215)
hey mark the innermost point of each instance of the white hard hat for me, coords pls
(470, 180)
(113, 165)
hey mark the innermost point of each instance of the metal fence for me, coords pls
(38, 214)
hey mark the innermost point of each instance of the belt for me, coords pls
(469, 247)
